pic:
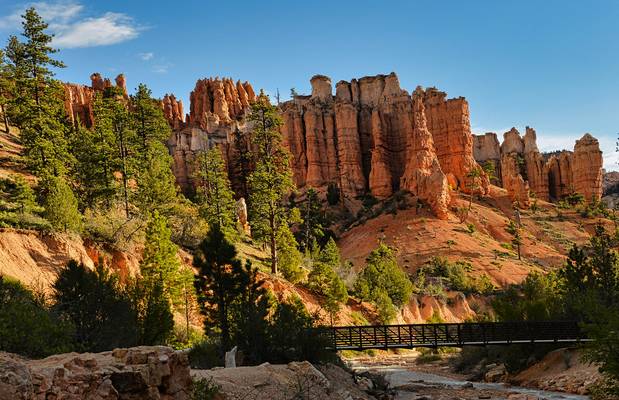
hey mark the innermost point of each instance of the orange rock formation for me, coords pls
(215, 119)
(360, 138)
(549, 176)
(79, 98)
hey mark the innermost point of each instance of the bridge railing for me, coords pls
(450, 334)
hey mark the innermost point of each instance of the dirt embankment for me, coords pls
(35, 258)
(561, 370)
(547, 233)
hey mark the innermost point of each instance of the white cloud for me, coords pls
(161, 68)
(73, 31)
(111, 28)
(146, 56)
(54, 13)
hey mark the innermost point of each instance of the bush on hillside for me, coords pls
(27, 326)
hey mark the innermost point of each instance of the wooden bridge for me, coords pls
(450, 335)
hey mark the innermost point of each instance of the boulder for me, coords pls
(496, 373)
(155, 373)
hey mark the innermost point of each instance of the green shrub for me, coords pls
(27, 326)
(61, 206)
(112, 227)
(384, 307)
(182, 339)
(204, 389)
(206, 354)
(439, 271)
(324, 281)
(358, 319)
(291, 337)
(289, 257)
(333, 194)
(382, 273)
(96, 304)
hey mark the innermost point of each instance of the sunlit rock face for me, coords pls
(550, 176)
(79, 99)
(216, 118)
(364, 137)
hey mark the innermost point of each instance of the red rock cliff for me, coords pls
(79, 98)
(549, 176)
(216, 118)
(359, 139)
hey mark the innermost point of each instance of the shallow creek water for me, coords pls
(411, 384)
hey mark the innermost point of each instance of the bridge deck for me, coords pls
(451, 335)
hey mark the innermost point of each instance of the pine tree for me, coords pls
(216, 199)
(151, 160)
(312, 227)
(251, 317)
(242, 162)
(160, 260)
(154, 320)
(324, 281)
(96, 305)
(220, 282)
(60, 205)
(472, 183)
(23, 195)
(97, 156)
(5, 89)
(36, 98)
(149, 123)
(330, 254)
(290, 258)
(382, 273)
(271, 180)
(156, 183)
(124, 140)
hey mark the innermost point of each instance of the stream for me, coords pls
(410, 384)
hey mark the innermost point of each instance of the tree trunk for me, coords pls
(273, 234)
(273, 255)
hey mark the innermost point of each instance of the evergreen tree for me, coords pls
(5, 89)
(220, 282)
(27, 326)
(324, 281)
(242, 162)
(124, 141)
(472, 183)
(154, 320)
(290, 258)
(312, 227)
(97, 155)
(36, 99)
(513, 229)
(330, 254)
(96, 305)
(23, 195)
(151, 159)
(216, 198)
(271, 180)
(157, 184)
(160, 260)
(149, 123)
(61, 205)
(382, 273)
(291, 337)
(250, 318)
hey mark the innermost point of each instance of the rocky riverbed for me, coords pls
(409, 380)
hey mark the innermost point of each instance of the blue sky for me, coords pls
(552, 65)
